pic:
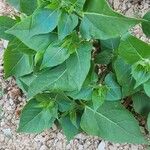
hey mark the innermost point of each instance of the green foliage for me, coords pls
(78, 64)
(141, 103)
(146, 24)
(109, 119)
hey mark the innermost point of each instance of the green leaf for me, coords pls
(133, 50)
(110, 43)
(84, 94)
(141, 103)
(67, 22)
(5, 24)
(24, 6)
(140, 74)
(124, 77)
(147, 88)
(24, 82)
(109, 119)
(146, 24)
(73, 117)
(34, 42)
(68, 128)
(17, 63)
(101, 22)
(37, 116)
(55, 55)
(64, 103)
(67, 77)
(86, 91)
(148, 122)
(114, 90)
(104, 57)
(41, 22)
(98, 96)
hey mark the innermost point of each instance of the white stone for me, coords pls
(43, 147)
(7, 132)
(101, 146)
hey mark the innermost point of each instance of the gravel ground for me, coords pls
(12, 102)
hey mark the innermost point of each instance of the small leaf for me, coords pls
(147, 88)
(5, 24)
(73, 118)
(114, 90)
(67, 22)
(133, 50)
(68, 128)
(110, 43)
(141, 103)
(64, 103)
(84, 94)
(54, 55)
(140, 74)
(98, 96)
(24, 81)
(103, 58)
(146, 24)
(37, 116)
(109, 119)
(17, 63)
(124, 77)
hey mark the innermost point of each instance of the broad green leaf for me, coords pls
(101, 22)
(84, 94)
(148, 122)
(37, 116)
(17, 44)
(98, 96)
(73, 117)
(109, 119)
(140, 74)
(17, 63)
(68, 128)
(54, 55)
(147, 88)
(104, 57)
(64, 103)
(146, 24)
(67, 77)
(124, 77)
(24, 82)
(114, 90)
(5, 24)
(110, 43)
(41, 22)
(141, 103)
(87, 89)
(33, 42)
(24, 6)
(133, 50)
(67, 23)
